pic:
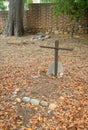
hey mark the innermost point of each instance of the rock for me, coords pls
(14, 93)
(61, 74)
(40, 37)
(52, 106)
(34, 101)
(18, 100)
(44, 103)
(41, 34)
(26, 99)
(51, 69)
(47, 36)
(35, 76)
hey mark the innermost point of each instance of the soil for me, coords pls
(23, 67)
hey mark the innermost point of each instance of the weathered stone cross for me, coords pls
(56, 53)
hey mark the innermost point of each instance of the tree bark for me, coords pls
(15, 18)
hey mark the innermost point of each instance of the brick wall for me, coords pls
(39, 18)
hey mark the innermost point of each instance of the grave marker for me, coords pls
(57, 48)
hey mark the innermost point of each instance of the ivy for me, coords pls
(75, 8)
(2, 6)
(27, 3)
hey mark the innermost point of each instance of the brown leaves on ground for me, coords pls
(23, 73)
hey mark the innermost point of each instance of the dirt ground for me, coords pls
(23, 67)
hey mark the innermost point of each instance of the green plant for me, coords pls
(75, 8)
(2, 6)
(27, 3)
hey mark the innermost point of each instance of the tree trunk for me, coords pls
(15, 18)
(87, 19)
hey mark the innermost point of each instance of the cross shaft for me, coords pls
(56, 48)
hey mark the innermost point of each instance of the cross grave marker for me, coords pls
(57, 48)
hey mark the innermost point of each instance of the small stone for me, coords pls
(61, 74)
(26, 99)
(47, 36)
(14, 93)
(41, 33)
(52, 106)
(44, 103)
(18, 99)
(35, 76)
(34, 101)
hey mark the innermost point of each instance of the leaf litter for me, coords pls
(23, 70)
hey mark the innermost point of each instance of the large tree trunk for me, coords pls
(87, 19)
(15, 18)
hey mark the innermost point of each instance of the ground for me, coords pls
(23, 67)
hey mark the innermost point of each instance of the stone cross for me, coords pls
(57, 48)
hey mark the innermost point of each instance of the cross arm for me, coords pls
(68, 49)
